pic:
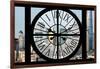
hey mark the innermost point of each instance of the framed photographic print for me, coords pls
(49, 34)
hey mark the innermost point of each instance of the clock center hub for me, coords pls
(53, 38)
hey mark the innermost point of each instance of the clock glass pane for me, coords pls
(56, 33)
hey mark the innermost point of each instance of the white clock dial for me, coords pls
(56, 33)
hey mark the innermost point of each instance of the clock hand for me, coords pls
(63, 38)
(49, 30)
(51, 38)
(71, 26)
(68, 28)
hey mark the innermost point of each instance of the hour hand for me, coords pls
(68, 28)
(63, 38)
(49, 30)
(51, 38)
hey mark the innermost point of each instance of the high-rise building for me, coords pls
(21, 41)
(20, 45)
(90, 33)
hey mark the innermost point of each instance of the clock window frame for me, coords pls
(27, 6)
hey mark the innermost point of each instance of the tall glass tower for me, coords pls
(91, 37)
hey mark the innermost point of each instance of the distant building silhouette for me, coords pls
(91, 31)
(20, 45)
(90, 35)
(21, 41)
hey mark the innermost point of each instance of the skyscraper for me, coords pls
(91, 37)
(21, 40)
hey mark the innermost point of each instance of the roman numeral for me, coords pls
(71, 26)
(71, 47)
(38, 33)
(74, 30)
(61, 17)
(59, 14)
(38, 37)
(67, 49)
(47, 17)
(54, 15)
(40, 45)
(53, 52)
(66, 17)
(41, 24)
(73, 42)
(64, 53)
(41, 39)
(60, 51)
(45, 21)
(69, 22)
(45, 48)
(48, 52)
(76, 33)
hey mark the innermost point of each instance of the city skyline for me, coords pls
(20, 22)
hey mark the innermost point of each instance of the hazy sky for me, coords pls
(19, 20)
(34, 12)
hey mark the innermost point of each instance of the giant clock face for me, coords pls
(56, 34)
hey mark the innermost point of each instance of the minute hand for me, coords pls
(71, 26)
(68, 28)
